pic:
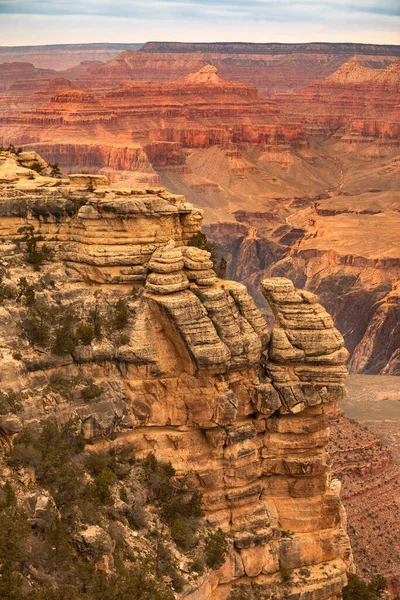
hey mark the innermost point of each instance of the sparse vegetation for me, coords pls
(10, 402)
(216, 549)
(86, 334)
(286, 574)
(199, 240)
(254, 591)
(35, 256)
(121, 315)
(55, 170)
(36, 166)
(357, 589)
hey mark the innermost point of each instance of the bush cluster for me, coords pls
(34, 256)
(180, 508)
(357, 589)
(216, 549)
(254, 591)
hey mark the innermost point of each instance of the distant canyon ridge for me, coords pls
(292, 150)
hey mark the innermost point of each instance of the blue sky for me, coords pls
(66, 21)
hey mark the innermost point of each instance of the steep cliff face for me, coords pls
(355, 103)
(365, 456)
(196, 378)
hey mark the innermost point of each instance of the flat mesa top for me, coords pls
(20, 183)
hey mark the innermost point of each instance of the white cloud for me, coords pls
(63, 21)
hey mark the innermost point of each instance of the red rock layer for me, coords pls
(356, 104)
(197, 111)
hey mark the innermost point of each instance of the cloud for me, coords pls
(280, 10)
(42, 21)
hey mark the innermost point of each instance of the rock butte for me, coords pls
(199, 381)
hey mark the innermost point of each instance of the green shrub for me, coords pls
(86, 334)
(123, 340)
(63, 386)
(36, 166)
(96, 462)
(136, 517)
(34, 255)
(357, 589)
(123, 494)
(182, 534)
(64, 331)
(254, 591)
(215, 549)
(178, 582)
(287, 533)
(198, 565)
(221, 267)
(14, 530)
(100, 490)
(64, 592)
(55, 170)
(10, 402)
(286, 574)
(91, 391)
(199, 240)
(121, 315)
(95, 318)
(50, 452)
(36, 323)
(25, 292)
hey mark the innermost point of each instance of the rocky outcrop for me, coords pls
(197, 378)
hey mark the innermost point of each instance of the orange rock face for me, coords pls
(355, 103)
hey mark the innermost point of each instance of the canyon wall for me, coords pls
(197, 378)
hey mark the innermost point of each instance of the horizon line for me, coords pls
(194, 42)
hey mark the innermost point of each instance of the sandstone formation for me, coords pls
(196, 378)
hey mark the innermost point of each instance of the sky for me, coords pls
(25, 22)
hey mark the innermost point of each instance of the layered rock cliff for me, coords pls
(272, 68)
(182, 366)
(355, 104)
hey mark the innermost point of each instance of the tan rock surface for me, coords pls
(195, 378)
